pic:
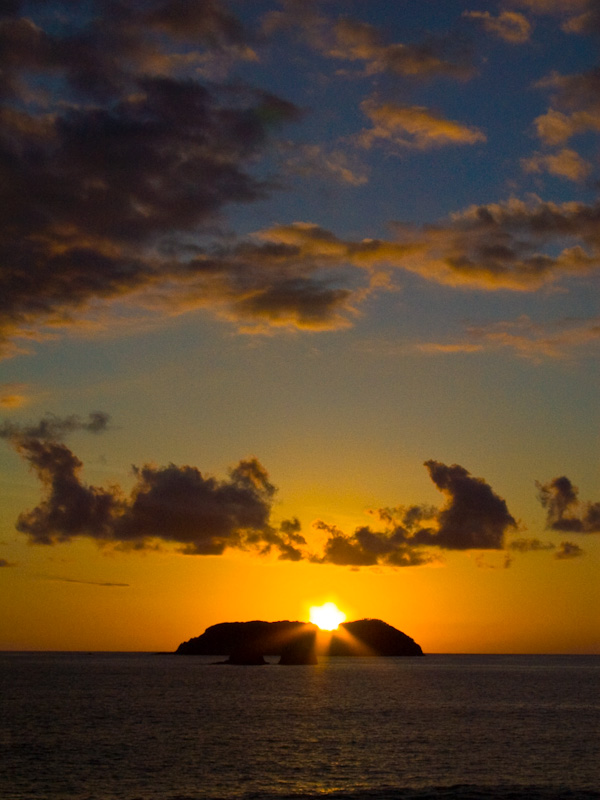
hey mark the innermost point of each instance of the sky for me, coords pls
(300, 305)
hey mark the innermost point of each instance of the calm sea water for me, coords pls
(160, 727)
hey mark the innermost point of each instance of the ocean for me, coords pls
(135, 726)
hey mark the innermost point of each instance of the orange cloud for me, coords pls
(566, 164)
(414, 126)
(12, 395)
(347, 39)
(508, 25)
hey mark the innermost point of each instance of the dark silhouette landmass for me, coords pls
(300, 650)
(298, 642)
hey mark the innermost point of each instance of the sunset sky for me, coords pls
(300, 303)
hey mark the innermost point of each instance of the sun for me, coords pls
(326, 617)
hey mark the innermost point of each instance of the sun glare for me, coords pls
(327, 617)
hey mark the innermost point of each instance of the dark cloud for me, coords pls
(529, 545)
(5, 563)
(365, 548)
(473, 518)
(564, 511)
(70, 508)
(568, 550)
(202, 515)
(505, 245)
(175, 504)
(52, 427)
(111, 148)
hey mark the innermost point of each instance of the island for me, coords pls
(299, 642)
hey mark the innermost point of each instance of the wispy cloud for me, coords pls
(13, 395)
(413, 126)
(510, 26)
(351, 40)
(87, 583)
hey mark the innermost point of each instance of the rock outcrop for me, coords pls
(299, 642)
(300, 650)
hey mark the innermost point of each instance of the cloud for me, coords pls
(347, 39)
(473, 518)
(200, 514)
(535, 341)
(366, 548)
(529, 545)
(52, 427)
(120, 156)
(305, 277)
(539, 341)
(13, 395)
(576, 107)
(564, 511)
(434, 56)
(318, 161)
(568, 550)
(566, 164)
(510, 26)
(508, 245)
(5, 563)
(413, 126)
(88, 583)
(586, 23)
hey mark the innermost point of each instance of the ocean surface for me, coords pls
(131, 726)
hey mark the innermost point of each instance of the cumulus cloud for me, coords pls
(200, 514)
(564, 510)
(115, 151)
(508, 25)
(474, 517)
(413, 126)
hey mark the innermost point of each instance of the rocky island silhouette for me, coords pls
(295, 643)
